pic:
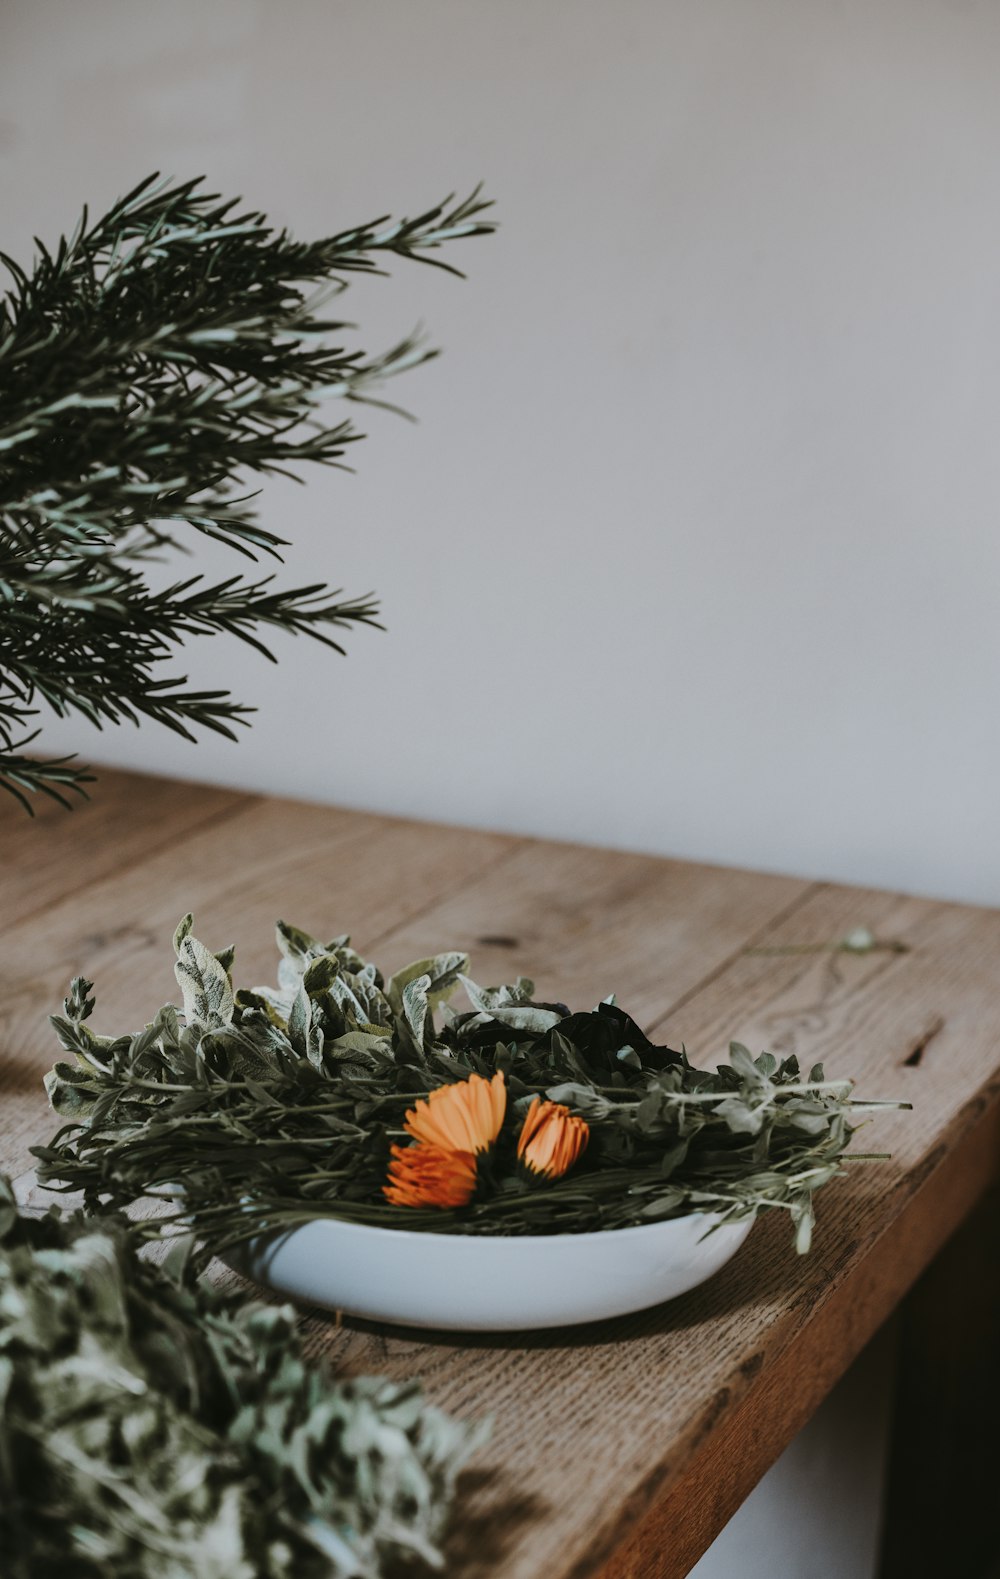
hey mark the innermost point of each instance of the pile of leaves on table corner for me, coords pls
(152, 1424)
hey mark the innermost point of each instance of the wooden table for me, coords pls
(623, 1448)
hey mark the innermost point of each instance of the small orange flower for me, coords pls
(552, 1139)
(465, 1116)
(430, 1176)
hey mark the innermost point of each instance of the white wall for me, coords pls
(696, 548)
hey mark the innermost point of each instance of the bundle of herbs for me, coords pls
(150, 1424)
(343, 1093)
(152, 364)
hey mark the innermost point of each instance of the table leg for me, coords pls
(941, 1516)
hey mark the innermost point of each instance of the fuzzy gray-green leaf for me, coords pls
(205, 985)
(442, 972)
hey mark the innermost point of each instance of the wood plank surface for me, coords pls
(619, 1448)
(56, 853)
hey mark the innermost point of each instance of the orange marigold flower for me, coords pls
(552, 1139)
(430, 1176)
(465, 1116)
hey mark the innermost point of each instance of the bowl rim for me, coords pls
(411, 1236)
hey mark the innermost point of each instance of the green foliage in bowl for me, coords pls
(254, 1111)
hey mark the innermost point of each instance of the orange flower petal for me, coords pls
(464, 1116)
(552, 1139)
(430, 1176)
(531, 1122)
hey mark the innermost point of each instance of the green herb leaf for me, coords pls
(153, 1424)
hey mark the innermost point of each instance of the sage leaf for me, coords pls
(155, 1425)
(204, 983)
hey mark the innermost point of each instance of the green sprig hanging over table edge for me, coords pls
(254, 1111)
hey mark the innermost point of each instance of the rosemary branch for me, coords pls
(150, 363)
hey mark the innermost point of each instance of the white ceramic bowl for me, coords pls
(491, 1284)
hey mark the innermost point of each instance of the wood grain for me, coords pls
(619, 1448)
(583, 923)
(55, 853)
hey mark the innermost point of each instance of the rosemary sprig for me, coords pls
(149, 364)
